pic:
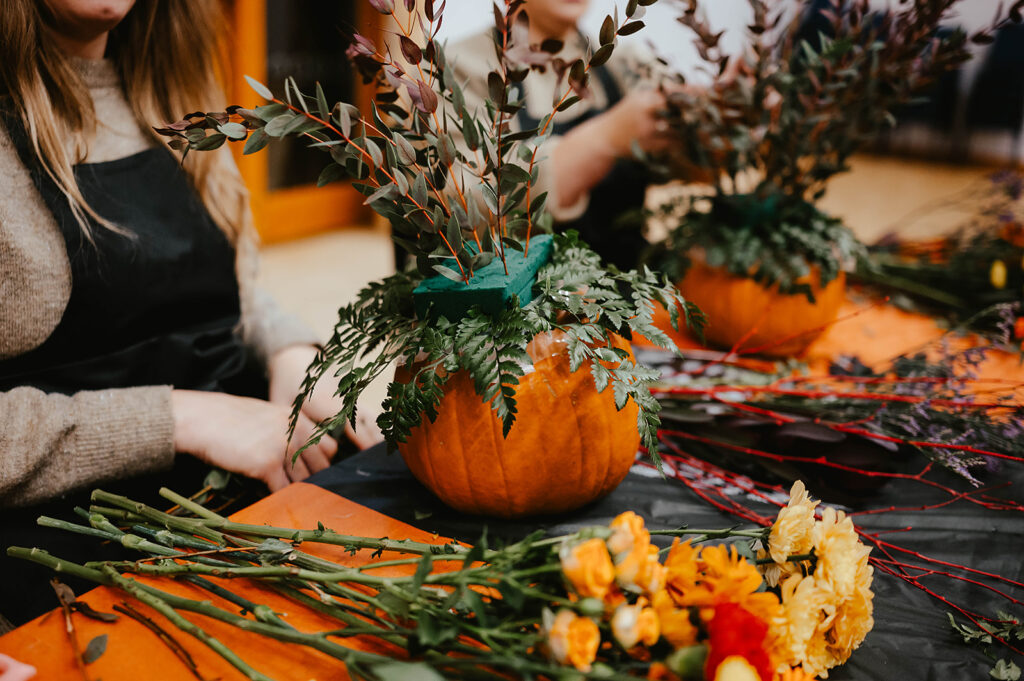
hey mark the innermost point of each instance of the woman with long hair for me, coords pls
(130, 330)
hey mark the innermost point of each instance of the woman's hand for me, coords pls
(588, 152)
(287, 369)
(638, 118)
(12, 670)
(247, 436)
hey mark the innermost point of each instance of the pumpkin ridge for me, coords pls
(469, 487)
(610, 443)
(579, 435)
(427, 461)
(498, 451)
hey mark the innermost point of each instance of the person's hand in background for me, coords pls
(12, 670)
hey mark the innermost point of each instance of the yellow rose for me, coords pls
(573, 639)
(588, 567)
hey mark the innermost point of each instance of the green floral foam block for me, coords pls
(489, 288)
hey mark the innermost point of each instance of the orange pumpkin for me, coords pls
(567, 447)
(783, 324)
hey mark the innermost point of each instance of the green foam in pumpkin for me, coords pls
(489, 288)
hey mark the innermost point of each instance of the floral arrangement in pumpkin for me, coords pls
(598, 602)
(972, 277)
(463, 212)
(705, 613)
(769, 142)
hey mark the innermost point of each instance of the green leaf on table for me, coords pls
(406, 671)
(217, 479)
(274, 551)
(84, 608)
(95, 649)
(1005, 670)
(423, 569)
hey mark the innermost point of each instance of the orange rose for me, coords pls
(636, 559)
(588, 567)
(573, 639)
(635, 624)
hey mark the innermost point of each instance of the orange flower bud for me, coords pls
(588, 567)
(997, 274)
(1018, 328)
(573, 640)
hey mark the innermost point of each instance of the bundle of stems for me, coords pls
(459, 612)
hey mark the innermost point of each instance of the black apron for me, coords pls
(612, 224)
(160, 307)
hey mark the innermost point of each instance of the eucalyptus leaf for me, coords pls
(260, 89)
(95, 649)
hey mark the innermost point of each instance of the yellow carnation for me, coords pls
(674, 622)
(790, 535)
(839, 552)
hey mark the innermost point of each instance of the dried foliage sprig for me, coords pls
(869, 420)
(454, 206)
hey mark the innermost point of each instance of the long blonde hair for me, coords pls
(167, 54)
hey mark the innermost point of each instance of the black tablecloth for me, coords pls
(912, 638)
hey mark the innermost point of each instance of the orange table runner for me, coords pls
(135, 653)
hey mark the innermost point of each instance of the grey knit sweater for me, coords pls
(51, 443)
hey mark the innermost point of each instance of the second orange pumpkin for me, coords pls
(783, 325)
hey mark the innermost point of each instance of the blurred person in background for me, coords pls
(592, 180)
(130, 328)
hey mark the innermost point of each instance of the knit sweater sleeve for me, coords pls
(53, 443)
